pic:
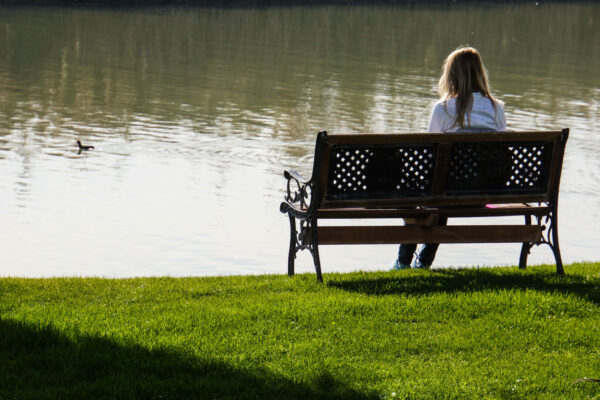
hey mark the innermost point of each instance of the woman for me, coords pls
(465, 104)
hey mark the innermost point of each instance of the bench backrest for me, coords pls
(466, 168)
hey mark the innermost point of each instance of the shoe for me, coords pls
(396, 266)
(417, 265)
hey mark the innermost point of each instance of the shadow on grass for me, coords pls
(39, 362)
(472, 280)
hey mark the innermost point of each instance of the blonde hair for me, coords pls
(463, 74)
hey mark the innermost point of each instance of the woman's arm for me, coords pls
(501, 117)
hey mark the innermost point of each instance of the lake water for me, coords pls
(195, 113)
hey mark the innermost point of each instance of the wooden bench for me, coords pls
(453, 175)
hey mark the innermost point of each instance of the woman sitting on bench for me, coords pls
(465, 104)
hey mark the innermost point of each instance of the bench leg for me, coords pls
(317, 264)
(524, 254)
(292, 253)
(551, 239)
(525, 248)
(315, 249)
(554, 242)
(300, 240)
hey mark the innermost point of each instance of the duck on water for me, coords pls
(83, 147)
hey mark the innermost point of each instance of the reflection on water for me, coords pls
(195, 113)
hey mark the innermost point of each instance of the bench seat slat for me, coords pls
(434, 234)
(497, 210)
(464, 200)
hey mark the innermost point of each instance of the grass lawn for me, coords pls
(495, 333)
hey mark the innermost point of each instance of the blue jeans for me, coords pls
(427, 253)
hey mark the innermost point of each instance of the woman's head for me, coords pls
(463, 74)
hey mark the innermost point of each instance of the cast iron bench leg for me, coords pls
(554, 245)
(315, 249)
(292, 253)
(525, 248)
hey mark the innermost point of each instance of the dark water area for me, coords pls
(195, 112)
(140, 4)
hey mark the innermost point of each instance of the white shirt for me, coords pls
(483, 116)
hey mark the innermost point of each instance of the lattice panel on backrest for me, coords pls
(530, 168)
(485, 168)
(380, 171)
(349, 172)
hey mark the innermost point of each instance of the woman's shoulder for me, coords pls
(445, 104)
(480, 100)
(443, 109)
(498, 102)
(442, 115)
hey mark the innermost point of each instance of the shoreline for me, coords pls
(310, 275)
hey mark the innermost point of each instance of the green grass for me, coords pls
(496, 333)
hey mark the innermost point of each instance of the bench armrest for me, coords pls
(291, 174)
(299, 194)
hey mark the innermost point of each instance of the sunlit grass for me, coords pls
(492, 333)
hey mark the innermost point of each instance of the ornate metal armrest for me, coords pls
(291, 174)
(298, 196)
(294, 211)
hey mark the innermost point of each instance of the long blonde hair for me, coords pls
(463, 74)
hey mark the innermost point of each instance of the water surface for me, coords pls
(196, 112)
